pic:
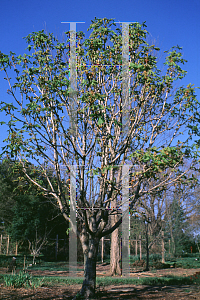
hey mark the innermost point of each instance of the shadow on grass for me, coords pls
(144, 292)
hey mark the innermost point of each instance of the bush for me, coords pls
(159, 265)
(17, 280)
(139, 263)
(155, 257)
(134, 258)
(195, 278)
(191, 255)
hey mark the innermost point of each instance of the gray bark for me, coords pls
(115, 268)
(90, 249)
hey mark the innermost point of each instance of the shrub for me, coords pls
(195, 278)
(17, 280)
(139, 263)
(134, 258)
(159, 265)
(155, 257)
(22, 280)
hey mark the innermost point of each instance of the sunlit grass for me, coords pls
(105, 281)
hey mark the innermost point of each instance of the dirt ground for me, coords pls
(109, 292)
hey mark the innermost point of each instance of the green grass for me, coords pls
(36, 281)
(53, 266)
(188, 262)
(168, 280)
(104, 281)
(193, 261)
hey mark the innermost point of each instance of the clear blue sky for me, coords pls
(169, 22)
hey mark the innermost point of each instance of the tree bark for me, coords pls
(90, 249)
(115, 268)
(147, 248)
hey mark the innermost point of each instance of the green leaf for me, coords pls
(29, 48)
(100, 121)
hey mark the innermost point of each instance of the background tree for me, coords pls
(7, 186)
(176, 226)
(96, 140)
(170, 210)
(29, 224)
(181, 207)
(27, 214)
(189, 199)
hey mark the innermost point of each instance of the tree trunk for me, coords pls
(147, 248)
(33, 259)
(90, 250)
(198, 247)
(115, 268)
(172, 240)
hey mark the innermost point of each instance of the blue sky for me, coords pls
(169, 22)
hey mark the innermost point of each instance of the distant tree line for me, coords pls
(27, 215)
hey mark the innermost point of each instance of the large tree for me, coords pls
(94, 127)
